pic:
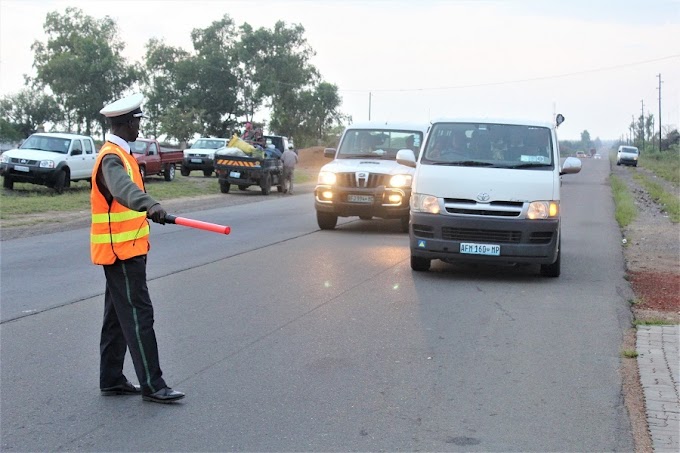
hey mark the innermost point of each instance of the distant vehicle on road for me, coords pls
(581, 154)
(597, 156)
(627, 155)
(201, 155)
(155, 160)
(49, 159)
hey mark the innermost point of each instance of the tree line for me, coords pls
(231, 73)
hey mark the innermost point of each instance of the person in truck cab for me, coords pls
(119, 241)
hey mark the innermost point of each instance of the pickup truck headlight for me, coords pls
(4, 159)
(543, 210)
(47, 164)
(401, 181)
(424, 203)
(327, 178)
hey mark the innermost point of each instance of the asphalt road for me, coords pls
(287, 338)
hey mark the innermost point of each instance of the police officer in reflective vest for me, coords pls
(119, 241)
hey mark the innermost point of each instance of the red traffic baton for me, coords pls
(207, 226)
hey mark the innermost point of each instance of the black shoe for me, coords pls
(127, 388)
(164, 395)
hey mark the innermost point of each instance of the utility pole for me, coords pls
(642, 124)
(632, 130)
(369, 106)
(659, 76)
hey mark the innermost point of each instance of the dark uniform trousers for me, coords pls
(128, 323)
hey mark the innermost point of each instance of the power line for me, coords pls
(570, 74)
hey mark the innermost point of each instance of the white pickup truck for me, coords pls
(49, 159)
(201, 155)
(365, 179)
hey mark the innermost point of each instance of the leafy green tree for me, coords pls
(26, 110)
(160, 81)
(310, 115)
(181, 124)
(585, 140)
(8, 132)
(211, 83)
(81, 63)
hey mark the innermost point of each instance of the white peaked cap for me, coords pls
(127, 105)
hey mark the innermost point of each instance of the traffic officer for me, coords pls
(119, 241)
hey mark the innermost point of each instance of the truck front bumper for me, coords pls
(383, 202)
(198, 163)
(435, 236)
(30, 174)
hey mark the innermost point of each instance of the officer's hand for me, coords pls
(157, 214)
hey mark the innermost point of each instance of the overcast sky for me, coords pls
(593, 61)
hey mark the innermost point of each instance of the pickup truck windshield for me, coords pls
(490, 145)
(208, 144)
(42, 143)
(378, 143)
(138, 147)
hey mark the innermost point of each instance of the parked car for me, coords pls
(154, 159)
(201, 155)
(49, 159)
(627, 155)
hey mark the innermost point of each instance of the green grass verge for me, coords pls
(651, 322)
(665, 165)
(670, 202)
(629, 353)
(30, 198)
(626, 211)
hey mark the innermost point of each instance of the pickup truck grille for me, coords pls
(371, 182)
(22, 161)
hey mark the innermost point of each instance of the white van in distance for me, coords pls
(488, 191)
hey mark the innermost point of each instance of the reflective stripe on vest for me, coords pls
(117, 232)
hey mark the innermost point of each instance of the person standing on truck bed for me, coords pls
(119, 241)
(289, 159)
(253, 136)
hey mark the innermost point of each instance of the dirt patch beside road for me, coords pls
(652, 252)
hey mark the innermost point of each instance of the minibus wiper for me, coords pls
(473, 163)
(529, 165)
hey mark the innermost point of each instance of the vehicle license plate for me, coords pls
(480, 249)
(197, 161)
(21, 168)
(235, 174)
(360, 198)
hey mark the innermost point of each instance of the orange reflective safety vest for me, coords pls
(117, 232)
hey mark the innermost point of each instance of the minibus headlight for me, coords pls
(326, 178)
(424, 203)
(543, 210)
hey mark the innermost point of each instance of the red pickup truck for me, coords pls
(155, 160)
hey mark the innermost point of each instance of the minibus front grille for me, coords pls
(495, 208)
(423, 231)
(541, 237)
(474, 235)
